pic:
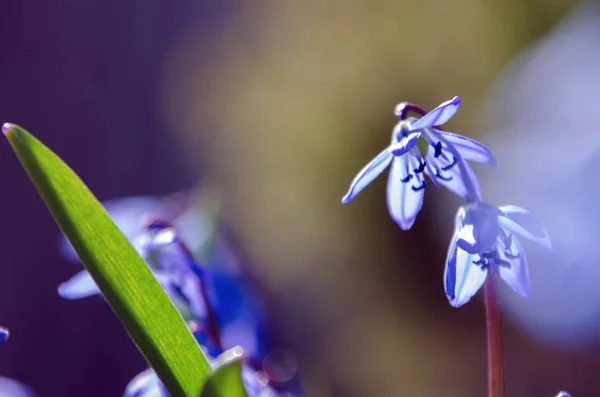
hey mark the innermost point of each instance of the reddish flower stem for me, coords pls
(402, 110)
(494, 340)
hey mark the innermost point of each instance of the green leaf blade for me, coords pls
(125, 280)
(226, 381)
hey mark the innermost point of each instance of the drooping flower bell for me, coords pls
(444, 162)
(485, 240)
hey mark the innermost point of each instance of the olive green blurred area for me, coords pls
(294, 97)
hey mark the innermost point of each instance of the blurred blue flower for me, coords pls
(485, 239)
(217, 296)
(172, 264)
(4, 334)
(209, 296)
(563, 394)
(127, 213)
(147, 384)
(12, 388)
(406, 181)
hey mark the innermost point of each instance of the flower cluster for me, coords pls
(486, 238)
(222, 309)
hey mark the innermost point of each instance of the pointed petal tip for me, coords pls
(67, 291)
(347, 199)
(7, 128)
(456, 100)
(491, 161)
(455, 302)
(63, 291)
(405, 224)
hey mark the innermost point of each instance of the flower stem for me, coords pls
(402, 110)
(494, 339)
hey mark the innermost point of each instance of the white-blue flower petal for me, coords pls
(145, 384)
(439, 115)
(452, 178)
(405, 199)
(469, 149)
(462, 278)
(79, 286)
(527, 221)
(519, 221)
(405, 144)
(367, 174)
(517, 276)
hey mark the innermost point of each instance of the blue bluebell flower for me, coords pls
(486, 241)
(444, 162)
(147, 384)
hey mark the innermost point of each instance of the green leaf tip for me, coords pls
(226, 380)
(125, 280)
(7, 128)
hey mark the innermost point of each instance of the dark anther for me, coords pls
(502, 262)
(423, 186)
(438, 150)
(408, 178)
(482, 263)
(449, 166)
(420, 168)
(443, 178)
(489, 255)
